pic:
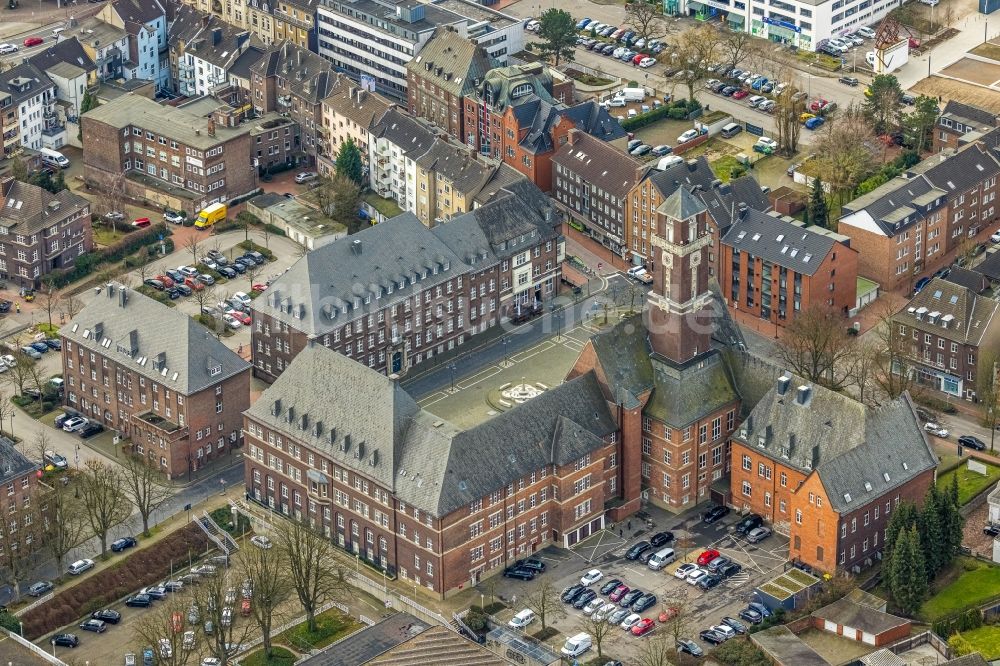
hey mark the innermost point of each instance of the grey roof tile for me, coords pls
(600, 164)
(452, 62)
(28, 208)
(772, 239)
(966, 314)
(850, 614)
(969, 114)
(65, 51)
(681, 205)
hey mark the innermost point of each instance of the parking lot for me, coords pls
(606, 550)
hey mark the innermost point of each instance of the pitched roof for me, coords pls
(894, 206)
(968, 278)
(599, 163)
(858, 453)
(456, 163)
(990, 266)
(440, 646)
(139, 11)
(539, 116)
(23, 82)
(157, 341)
(499, 84)
(452, 62)
(974, 659)
(29, 208)
(13, 463)
(325, 399)
(950, 311)
(367, 644)
(405, 131)
(363, 107)
(681, 205)
(961, 171)
(594, 119)
(787, 649)
(221, 44)
(797, 248)
(503, 177)
(64, 51)
(968, 114)
(846, 612)
(309, 76)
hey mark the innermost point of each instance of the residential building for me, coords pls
(373, 40)
(291, 80)
(941, 333)
(304, 224)
(350, 112)
(25, 517)
(145, 22)
(722, 200)
(43, 232)
(275, 143)
(427, 291)
(591, 180)
(157, 377)
(33, 97)
(10, 128)
(776, 268)
(234, 13)
(828, 471)
(447, 69)
(295, 22)
(411, 494)
(206, 49)
(393, 148)
(170, 156)
(68, 66)
(959, 119)
(676, 404)
(260, 20)
(107, 46)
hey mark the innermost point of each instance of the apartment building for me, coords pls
(25, 504)
(34, 98)
(373, 40)
(446, 70)
(10, 130)
(291, 80)
(676, 401)
(107, 45)
(204, 50)
(260, 20)
(157, 377)
(42, 231)
(776, 268)
(393, 148)
(439, 507)
(828, 471)
(423, 291)
(295, 22)
(145, 23)
(350, 112)
(592, 179)
(70, 69)
(722, 200)
(958, 120)
(234, 12)
(171, 156)
(941, 334)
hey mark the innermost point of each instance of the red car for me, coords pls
(142, 222)
(259, 287)
(707, 556)
(33, 41)
(167, 282)
(644, 626)
(740, 94)
(241, 317)
(670, 612)
(618, 593)
(193, 283)
(176, 621)
(817, 104)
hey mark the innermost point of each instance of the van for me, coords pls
(53, 158)
(632, 94)
(210, 215)
(731, 130)
(668, 161)
(577, 645)
(661, 558)
(57, 31)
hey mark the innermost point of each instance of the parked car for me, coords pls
(519, 573)
(66, 640)
(724, 630)
(40, 588)
(174, 217)
(630, 598)
(921, 283)
(89, 430)
(689, 646)
(644, 602)
(760, 608)
(610, 586)
(848, 81)
(684, 569)
(708, 581)
(734, 624)
(695, 576)
(593, 605)
(107, 615)
(637, 549)
(32, 41)
(936, 430)
(97, 626)
(752, 616)
(591, 577)
(585, 598)
(758, 534)
(121, 544)
(74, 423)
(689, 135)
(748, 523)
(53, 458)
(522, 619)
(261, 541)
(570, 594)
(712, 637)
(619, 592)
(716, 564)
(661, 538)
(972, 442)
(714, 514)
(630, 621)
(305, 177)
(531, 563)
(643, 627)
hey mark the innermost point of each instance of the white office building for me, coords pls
(372, 40)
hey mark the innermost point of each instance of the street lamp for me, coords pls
(503, 341)
(452, 367)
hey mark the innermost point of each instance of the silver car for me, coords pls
(758, 534)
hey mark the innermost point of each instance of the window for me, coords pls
(747, 489)
(748, 464)
(798, 516)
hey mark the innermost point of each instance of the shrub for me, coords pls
(250, 245)
(277, 231)
(143, 567)
(647, 118)
(546, 633)
(88, 262)
(676, 114)
(740, 652)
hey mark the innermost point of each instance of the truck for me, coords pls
(210, 215)
(631, 94)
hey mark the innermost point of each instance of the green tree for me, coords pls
(932, 533)
(19, 169)
(89, 102)
(918, 125)
(557, 30)
(908, 576)
(953, 490)
(883, 104)
(818, 212)
(348, 162)
(902, 519)
(951, 521)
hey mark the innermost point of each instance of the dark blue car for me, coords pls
(921, 283)
(40, 347)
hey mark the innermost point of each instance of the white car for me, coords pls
(768, 141)
(591, 577)
(870, 58)
(261, 541)
(242, 297)
(166, 651)
(684, 569)
(866, 32)
(231, 322)
(725, 630)
(227, 616)
(8, 360)
(522, 619)
(604, 611)
(74, 423)
(188, 640)
(645, 63)
(305, 177)
(935, 429)
(187, 271)
(695, 576)
(593, 605)
(995, 237)
(7, 48)
(630, 621)
(80, 566)
(687, 136)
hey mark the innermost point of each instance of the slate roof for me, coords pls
(859, 453)
(288, 60)
(539, 116)
(13, 463)
(990, 266)
(969, 115)
(365, 645)
(139, 11)
(681, 205)
(499, 82)
(967, 314)
(440, 646)
(324, 400)
(884, 210)
(599, 164)
(502, 177)
(27, 208)
(961, 171)
(97, 34)
(968, 278)
(36, 82)
(868, 620)
(974, 659)
(221, 44)
(800, 249)
(240, 68)
(787, 649)
(405, 131)
(193, 358)
(65, 51)
(624, 352)
(456, 163)
(595, 120)
(451, 62)
(358, 105)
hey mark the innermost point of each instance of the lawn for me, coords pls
(279, 657)
(387, 207)
(724, 167)
(987, 50)
(330, 626)
(970, 483)
(985, 639)
(106, 235)
(977, 583)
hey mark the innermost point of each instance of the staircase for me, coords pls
(219, 536)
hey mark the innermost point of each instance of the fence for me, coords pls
(250, 645)
(28, 645)
(925, 638)
(405, 603)
(38, 602)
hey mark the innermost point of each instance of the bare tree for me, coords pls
(789, 106)
(162, 627)
(210, 601)
(49, 300)
(865, 358)
(19, 374)
(103, 498)
(38, 382)
(816, 346)
(657, 650)
(266, 569)
(143, 487)
(988, 391)
(253, 272)
(544, 600)
(64, 522)
(40, 445)
(696, 50)
(193, 245)
(736, 47)
(113, 199)
(892, 370)
(144, 269)
(311, 564)
(677, 624)
(645, 19)
(599, 630)
(71, 305)
(846, 151)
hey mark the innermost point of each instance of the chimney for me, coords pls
(815, 456)
(298, 57)
(356, 246)
(639, 172)
(802, 395)
(242, 40)
(205, 19)
(5, 184)
(783, 383)
(216, 36)
(742, 207)
(211, 126)
(574, 136)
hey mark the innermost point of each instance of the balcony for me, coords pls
(161, 427)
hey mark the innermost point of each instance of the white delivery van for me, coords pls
(632, 94)
(53, 158)
(661, 558)
(577, 645)
(668, 161)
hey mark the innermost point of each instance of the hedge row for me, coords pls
(967, 621)
(89, 262)
(677, 110)
(144, 567)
